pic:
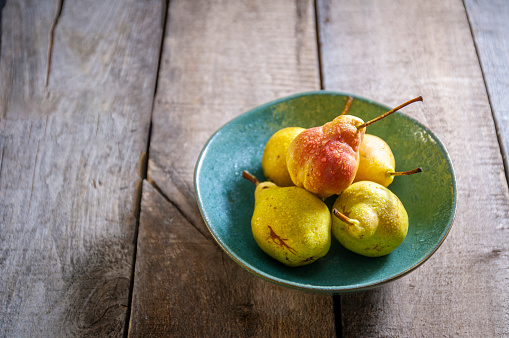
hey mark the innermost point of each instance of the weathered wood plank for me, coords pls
(219, 60)
(489, 21)
(70, 151)
(394, 50)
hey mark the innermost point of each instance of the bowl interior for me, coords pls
(226, 200)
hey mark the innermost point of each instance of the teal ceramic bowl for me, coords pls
(226, 200)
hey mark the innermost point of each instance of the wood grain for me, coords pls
(490, 27)
(219, 60)
(70, 150)
(390, 51)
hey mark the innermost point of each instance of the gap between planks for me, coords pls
(143, 170)
(497, 129)
(167, 199)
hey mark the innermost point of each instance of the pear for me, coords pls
(274, 156)
(376, 162)
(324, 160)
(290, 224)
(369, 219)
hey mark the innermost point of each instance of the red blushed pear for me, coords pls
(324, 160)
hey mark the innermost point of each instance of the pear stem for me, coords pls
(250, 177)
(342, 217)
(347, 105)
(409, 172)
(365, 124)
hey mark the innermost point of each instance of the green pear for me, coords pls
(274, 156)
(290, 224)
(369, 219)
(376, 162)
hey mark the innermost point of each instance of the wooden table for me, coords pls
(105, 106)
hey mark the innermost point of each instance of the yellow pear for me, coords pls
(274, 156)
(290, 224)
(376, 162)
(369, 219)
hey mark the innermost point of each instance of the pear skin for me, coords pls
(274, 156)
(290, 224)
(324, 159)
(369, 219)
(376, 161)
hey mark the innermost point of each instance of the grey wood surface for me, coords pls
(265, 50)
(489, 22)
(89, 152)
(70, 153)
(392, 51)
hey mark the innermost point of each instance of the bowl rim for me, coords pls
(309, 287)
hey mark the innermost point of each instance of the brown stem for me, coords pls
(342, 217)
(250, 177)
(409, 172)
(365, 124)
(348, 103)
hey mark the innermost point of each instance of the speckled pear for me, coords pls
(376, 162)
(274, 156)
(369, 219)
(290, 224)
